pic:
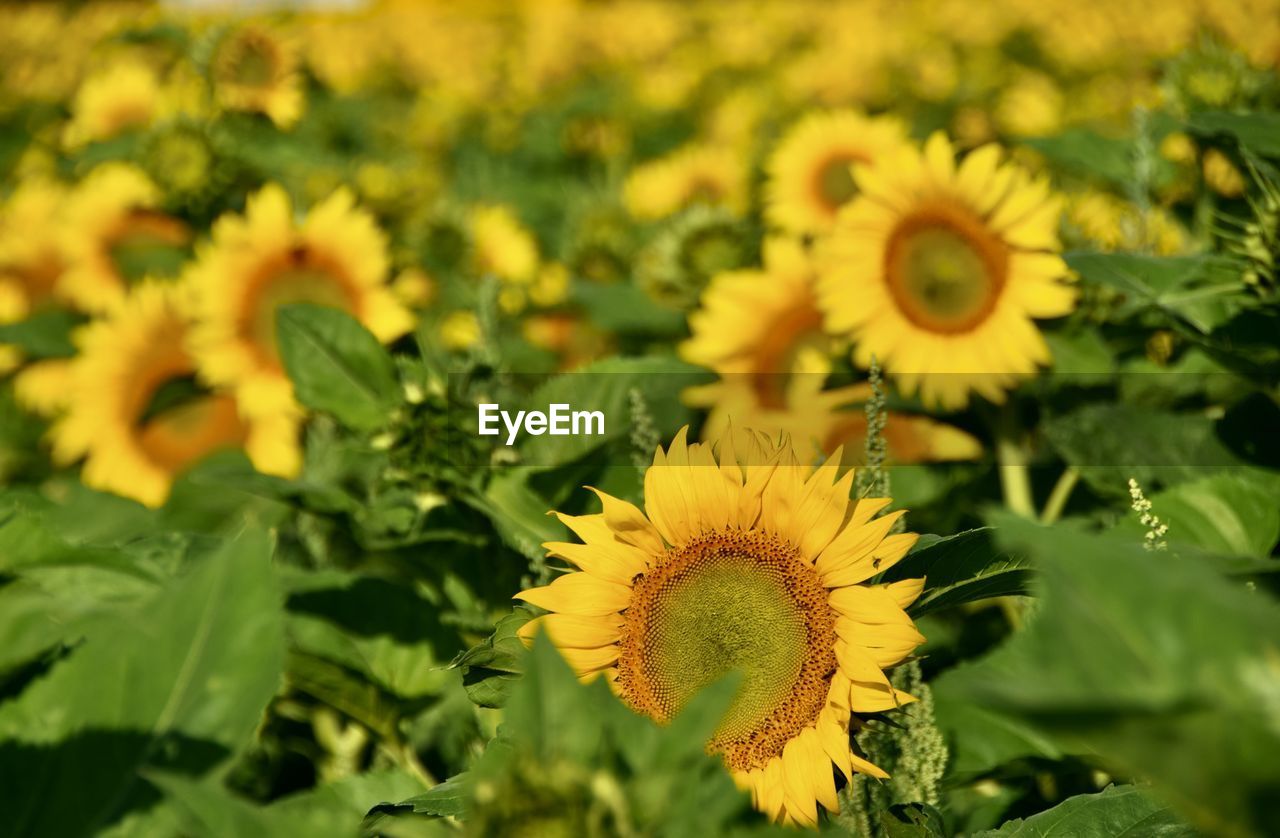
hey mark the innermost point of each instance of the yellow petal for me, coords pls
(629, 524)
(581, 594)
(573, 631)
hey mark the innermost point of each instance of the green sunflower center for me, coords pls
(834, 183)
(732, 601)
(945, 271)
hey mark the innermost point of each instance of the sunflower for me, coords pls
(30, 256)
(811, 171)
(693, 174)
(112, 234)
(137, 419)
(254, 70)
(501, 245)
(938, 270)
(125, 96)
(761, 332)
(262, 260)
(760, 566)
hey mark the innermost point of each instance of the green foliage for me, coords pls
(1118, 810)
(336, 366)
(1155, 663)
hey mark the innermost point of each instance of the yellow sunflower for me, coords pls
(136, 418)
(30, 256)
(255, 70)
(761, 332)
(938, 270)
(124, 96)
(693, 174)
(760, 566)
(811, 170)
(262, 260)
(501, 245)
(112, 234)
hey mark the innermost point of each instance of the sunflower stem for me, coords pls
(1058, 497)
(1011, 458)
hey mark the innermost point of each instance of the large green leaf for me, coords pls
(1204, 291)
(178, 680)
(981, 739)
(1090, 154)
(1156, 663)
(337, 366)
(1259, 132)
(1116, 811)
(1111, 443)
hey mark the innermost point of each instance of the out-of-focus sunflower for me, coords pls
(761, 332)
(938, 270)
(1111, 223)
(694, 174)
(113, 234)
(262, 260)
(501, 245)
(255, 70)
(692, 248)
(811, 170)
(124, 96)
(758, 565)
(30, 251)
(137, 417)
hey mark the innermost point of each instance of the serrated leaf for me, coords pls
(1115, 811)
(337, 366)
(961, 568)
(490, 669)
(1203, 291)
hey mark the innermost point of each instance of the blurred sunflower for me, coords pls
(137, 418)
(262, 260)
(760, 567)
(124, 96)
(693, 174)
(811, 171)
(255, 70)
(761, 332)
(30, 253)
(938, 270)
(501, 245)
(113, 233)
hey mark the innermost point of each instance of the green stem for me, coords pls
(1059, 496)
(1015, 479)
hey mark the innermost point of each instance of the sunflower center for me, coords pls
(725, 601)
(945, 270)
(302, 278)
(253, 62)
(834, 182)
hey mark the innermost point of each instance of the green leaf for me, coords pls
(1087, 153)
(625, 308)
(961, 568)
(337, 366)
(982, 739)
(1080, 358)
(912, 820)
(1156, 663)
(1203, 291)
(45, 334)
(1232, 514)
(1115, 811)
(180, 680)
(1259, 132)
(1110, 443)
(519, 514)
(492, 668)
(448, 799)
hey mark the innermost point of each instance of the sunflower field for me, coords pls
(640, 418)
